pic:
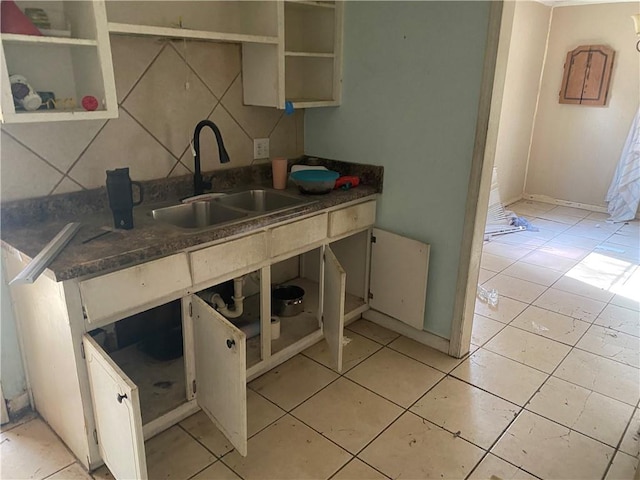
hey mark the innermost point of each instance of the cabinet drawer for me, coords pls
(119, 292)
(293, 236)
(213, 262)
(352, 218)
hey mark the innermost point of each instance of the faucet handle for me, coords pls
(207, 183)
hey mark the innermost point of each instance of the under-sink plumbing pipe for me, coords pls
(238, 300)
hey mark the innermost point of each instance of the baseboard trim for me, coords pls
(564, 203)
(17, 405)
(511, 200)
(426, 338)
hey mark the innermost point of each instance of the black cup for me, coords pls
(120, 192)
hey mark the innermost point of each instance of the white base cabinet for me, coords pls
(336, 260)
(220, 366)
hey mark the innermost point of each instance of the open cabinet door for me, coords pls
(221, 372)
(116, 408)
(335, 280)
(398, 278)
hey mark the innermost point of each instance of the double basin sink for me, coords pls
(227, 208)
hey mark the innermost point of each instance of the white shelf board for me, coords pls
(147, 30)
(57, 115)
(309, 54)
(309, 103)
(35, 39)
(311, 3)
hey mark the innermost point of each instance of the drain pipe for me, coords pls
(238, 306)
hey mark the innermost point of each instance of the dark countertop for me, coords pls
(29, 225)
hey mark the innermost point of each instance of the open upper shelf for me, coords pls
(13, 38)
(173, 32)
(310, 3)
(69, 67)
(305, 67)
(238, 21)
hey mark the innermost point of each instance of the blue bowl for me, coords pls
(315, 181)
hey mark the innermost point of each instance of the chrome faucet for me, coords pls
(199, 183)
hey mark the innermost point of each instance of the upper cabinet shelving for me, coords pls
(292, 51)
(224, 21)
(70, 66)
(305, 68)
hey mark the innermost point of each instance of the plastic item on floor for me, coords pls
(487, 296)
(497, 219)
(517, 221)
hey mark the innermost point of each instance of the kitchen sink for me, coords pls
(197, 214)
(227, 208)
(260, 200)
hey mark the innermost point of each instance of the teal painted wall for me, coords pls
(11, 369)
(412, 74)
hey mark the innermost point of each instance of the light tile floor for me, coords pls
(549, 390)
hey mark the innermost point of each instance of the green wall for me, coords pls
(412, 73)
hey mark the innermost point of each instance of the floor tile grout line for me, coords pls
(57, 437)
(332, 477)
(210, 465)
(571, 349)
(573, 429)
(522, 363)
(351, 367)
(524, 407)
(196, 439)
(582, 349)
(511, 324)
(404, 410)
(544, 308)
(59, 470)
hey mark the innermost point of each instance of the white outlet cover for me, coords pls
(260, 148)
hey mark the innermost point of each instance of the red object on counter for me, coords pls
(348, 181)
(89, 103)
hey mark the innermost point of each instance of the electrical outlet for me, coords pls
(260, 148)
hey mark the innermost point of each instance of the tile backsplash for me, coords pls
(164, 88)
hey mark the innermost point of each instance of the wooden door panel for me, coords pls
(574, 76)
(587, 72)
(596, 83)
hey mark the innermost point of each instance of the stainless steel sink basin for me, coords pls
(260, 201)
(228, 208)
(197, 214)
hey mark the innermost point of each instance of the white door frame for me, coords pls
(491, 94)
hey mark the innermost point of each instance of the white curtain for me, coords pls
(624, 193)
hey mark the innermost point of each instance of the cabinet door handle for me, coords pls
(121, 397)
(230, 343)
